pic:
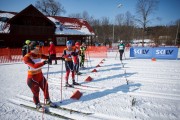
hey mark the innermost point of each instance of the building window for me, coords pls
(61, 40)
(2, 43)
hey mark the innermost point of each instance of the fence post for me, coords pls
(9, 54)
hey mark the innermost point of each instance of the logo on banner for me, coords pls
(141, 51)
(164, 52)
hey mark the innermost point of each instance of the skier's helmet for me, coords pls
(33, 45)
(77, 44)
(121, 41)
(28, 42)
(69, 43)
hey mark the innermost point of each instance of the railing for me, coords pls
(10, 55)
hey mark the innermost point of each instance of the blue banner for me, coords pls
(157, 52)
(165, 52)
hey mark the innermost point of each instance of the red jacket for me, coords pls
(34, 63)
(77, 53)
(52, 49)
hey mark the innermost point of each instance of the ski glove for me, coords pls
(46, 62)
(60, 58)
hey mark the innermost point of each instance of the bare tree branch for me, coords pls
(50, 7)
(144, 9)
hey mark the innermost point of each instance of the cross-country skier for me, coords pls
(82, 54)
(76, 58)
(35, 78)
(121, 48)
(25, 48)
(68, 54)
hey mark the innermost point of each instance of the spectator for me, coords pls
(25, 48)
(52, 52)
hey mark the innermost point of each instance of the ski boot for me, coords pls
(68, 85)
(75, 83)
(78, 73)
(49, 103)
(40, 108)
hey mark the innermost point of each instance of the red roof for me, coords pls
(75, 21)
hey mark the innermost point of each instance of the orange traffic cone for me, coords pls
(88, 79)
(98, 65)
(94, 70)
(153, 59)
(101, 62)
(76, 95)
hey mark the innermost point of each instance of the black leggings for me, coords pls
(82, 60)
(76, 66)
(53, 57)
(121, 53)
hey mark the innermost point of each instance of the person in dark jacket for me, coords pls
(83, 48)
(121, 48)
(25, 48)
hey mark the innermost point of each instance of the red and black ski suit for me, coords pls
(68, 54)
(35, 78)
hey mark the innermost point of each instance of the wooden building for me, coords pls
(31, 24)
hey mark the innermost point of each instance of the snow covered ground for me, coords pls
(143, 90)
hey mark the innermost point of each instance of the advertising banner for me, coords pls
(157, 52)
(165, 52)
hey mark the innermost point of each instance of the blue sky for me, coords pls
(168, 10)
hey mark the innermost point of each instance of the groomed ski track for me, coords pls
(62, 112)
(154, 86)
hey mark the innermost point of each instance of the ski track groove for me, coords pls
(143, 93)
(73, 115)
(148, 80)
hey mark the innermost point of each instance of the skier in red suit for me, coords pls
(76, 58)
(68, 54)
(35, 78)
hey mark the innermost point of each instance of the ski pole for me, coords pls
(48, 68)
(89, 59)
(124, 55)
(116, 55)
(86, 59)
(61, 79)
(77, 76)
(122, 64)
(45, 86)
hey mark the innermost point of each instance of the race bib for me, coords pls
(121, 48)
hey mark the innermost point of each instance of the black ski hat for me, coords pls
(33, 45)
